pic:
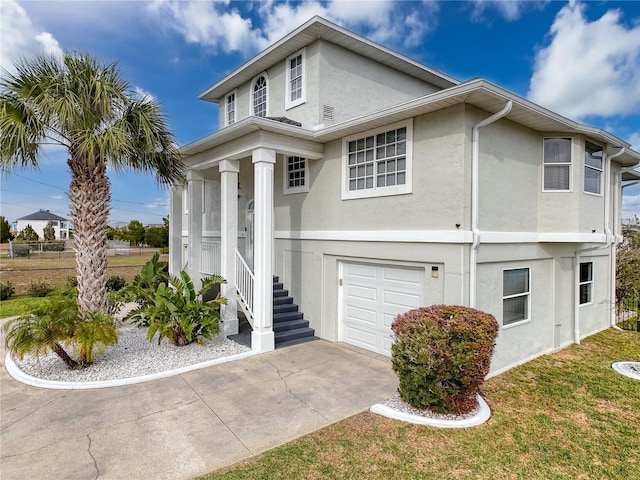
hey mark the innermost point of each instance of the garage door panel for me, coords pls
(373, 296)
(361, 315)
(412, 277)
(401, 300)
(360, 271)
(355, 292)
(361, 337)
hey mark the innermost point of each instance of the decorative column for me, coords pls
(229, 242)
(175, 229)
(195, 191)
(262, 337)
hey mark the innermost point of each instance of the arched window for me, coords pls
(259, 96)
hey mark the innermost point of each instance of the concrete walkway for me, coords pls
(187, 425)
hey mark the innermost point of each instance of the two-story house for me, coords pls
(370, 184)
(39, 220)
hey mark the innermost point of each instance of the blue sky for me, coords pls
(581, 59)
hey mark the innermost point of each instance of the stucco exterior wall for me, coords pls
(354, 85)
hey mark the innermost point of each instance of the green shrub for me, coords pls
(39, 289)
(177, 311)
(6, 290)
(53, 246)
(20, 249)
(115, 283)
(441, 355)
(72, 281)
(163, 250)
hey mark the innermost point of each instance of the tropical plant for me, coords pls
(6, 290)
(5, 230)
(88, 108)
(55, 323)
(442, 354)
(39, 289)
(115, 283)
(28, 234)
(48, 232)
(177, 311)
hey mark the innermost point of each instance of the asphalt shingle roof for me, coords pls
(43, 215)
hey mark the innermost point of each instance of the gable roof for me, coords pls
(477, 92)
(319, 28)
(43, 215)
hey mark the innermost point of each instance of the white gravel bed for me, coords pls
(396, 403)
(133, 356)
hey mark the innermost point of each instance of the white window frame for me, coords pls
(233, 93)
(585, 283)
(287, 189)
(596, 169)
(376, 191)
(253, 84)
(516, 295)
(568, 164)
(288, 103)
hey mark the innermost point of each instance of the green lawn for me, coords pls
(561, 416)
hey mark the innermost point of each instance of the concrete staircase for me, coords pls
(289, 325)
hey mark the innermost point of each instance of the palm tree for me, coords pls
(88, 108)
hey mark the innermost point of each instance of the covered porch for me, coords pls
(231, 182)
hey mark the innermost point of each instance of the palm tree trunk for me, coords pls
(71, 363)
(89, 195)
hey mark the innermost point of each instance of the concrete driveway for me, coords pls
(189, 424)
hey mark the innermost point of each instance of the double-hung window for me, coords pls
(586, 282)
(259, 95)
(378, 163)
(593, 168)
(296, 178)
(516, 296)
(295, 90)
(230, 108)
(557, 164)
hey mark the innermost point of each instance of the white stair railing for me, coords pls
(244, 285)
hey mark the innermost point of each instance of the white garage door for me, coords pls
(372, 297)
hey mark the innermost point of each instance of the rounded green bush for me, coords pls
(441, 355)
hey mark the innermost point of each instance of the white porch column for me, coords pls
(229, 242)
(195, 182)
(175, 229)
(262, 337)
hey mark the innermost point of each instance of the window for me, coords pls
(557, 164)
(259, 96)
(230, 108)
(295, 90)
(586, 282)
(515, 296)
(295, 175)
(378, 163)
(592, 168)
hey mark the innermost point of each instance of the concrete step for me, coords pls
(290, 325)
(285, 317)
(280, 293)
(282, 300)
(296, 341)
(284, 308)
(289, 335)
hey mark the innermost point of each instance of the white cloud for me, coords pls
(634, 140)
(224, 28)
(143, 94)
(588, 68)
(20, 38)
(510, 10)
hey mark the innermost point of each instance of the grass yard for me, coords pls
(54, 271)
(561, 416)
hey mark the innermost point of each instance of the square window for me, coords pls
(295, 179)
(516, 295)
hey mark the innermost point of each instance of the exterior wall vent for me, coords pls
(327, 114)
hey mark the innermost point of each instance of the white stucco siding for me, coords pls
(436, 203)
(522, 341)
(596, 315)
(508, 170)
(310, 271)
(354, 85)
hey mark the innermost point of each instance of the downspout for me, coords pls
(608, 244)
(475, 160)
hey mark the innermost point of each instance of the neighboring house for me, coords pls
(38, 220)
(371, 184)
